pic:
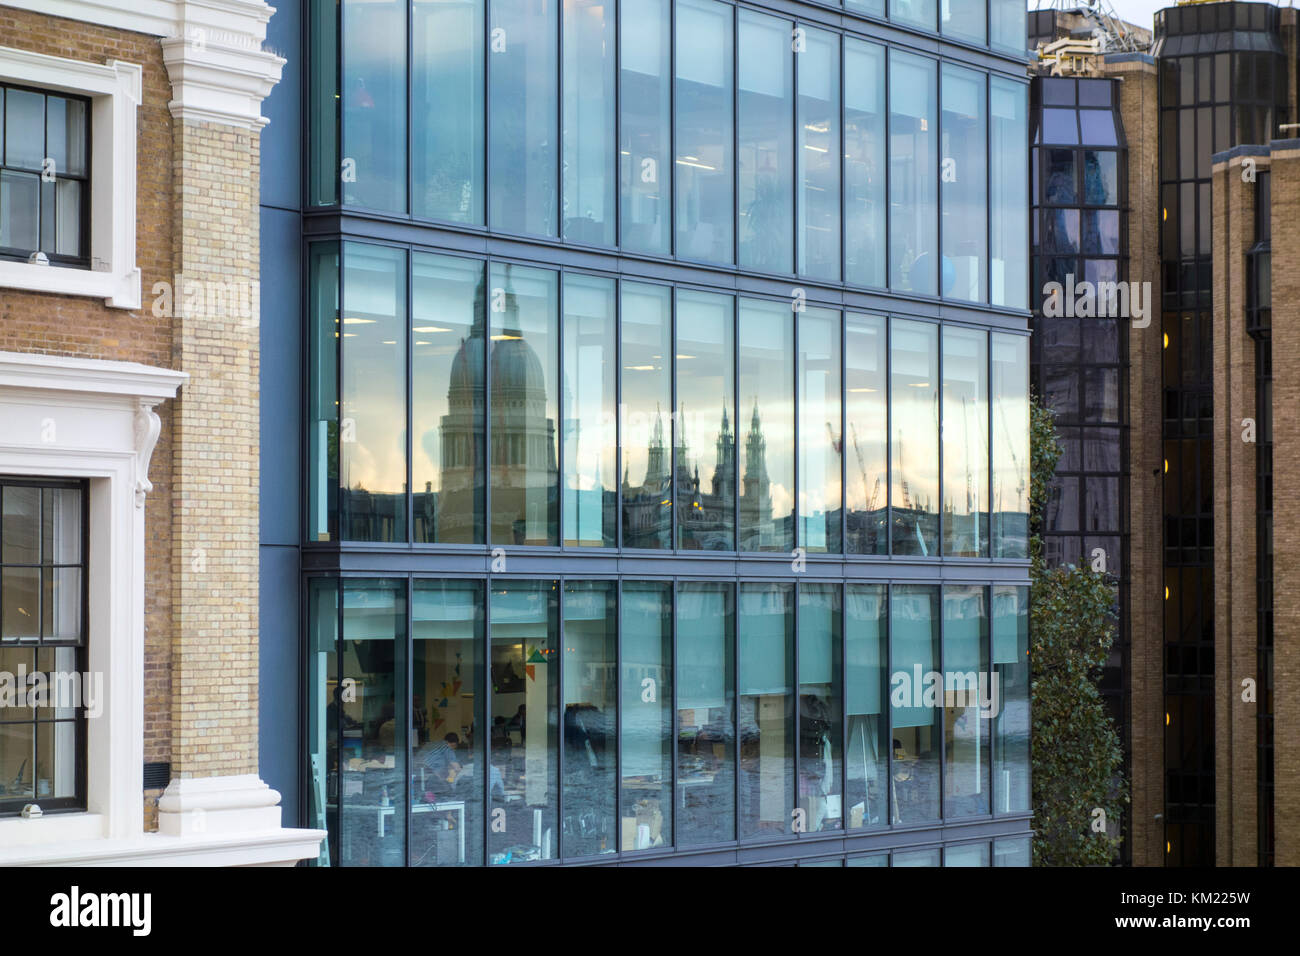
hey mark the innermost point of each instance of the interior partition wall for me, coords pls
(666, 433)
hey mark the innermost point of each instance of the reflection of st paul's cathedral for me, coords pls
(523, 458)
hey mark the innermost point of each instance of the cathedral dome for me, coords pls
(467, 365)
(515, 367)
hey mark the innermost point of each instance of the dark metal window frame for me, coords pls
(842, 23)
(906, 836)
(8, 805)
(82, 259)
(560, 548)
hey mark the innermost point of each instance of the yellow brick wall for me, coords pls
(215, 457)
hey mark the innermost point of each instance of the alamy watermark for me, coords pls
(958, 689)
(58, 689)
(1116, 300)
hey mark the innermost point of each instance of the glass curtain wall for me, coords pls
(524, 747)
(741, 139)
(765, 143)
(765, 474)
(765, 725)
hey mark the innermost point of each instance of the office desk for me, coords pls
(382, 814)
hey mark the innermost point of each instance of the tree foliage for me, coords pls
(1077, 759)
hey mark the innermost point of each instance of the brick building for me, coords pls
(129, 360)
(1168, 418)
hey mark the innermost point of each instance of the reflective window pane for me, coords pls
(917, 858)
(523, 620)
(447, 110)
(820, 438)
(646, 415)
(523, 404)
(765, 155)
(913, 186)
(590, 717)
(963, 19)
(645, 125)
(322, 392)
(820, 720)
(866, 410)
(65, 238)
(967, 701)
(1012, 851)
(965, 185)
(705, 483)
(372, 449)
(1007, 28)
(66, 132)
(916, 13)
(865, 691)
(970, 854)
(706, 701)
(864, 162)
(874, 8)
(373, 724)
(1010, 641)
(24, 128)
(590, 435)
(522, 80)
(1010, 396)
(20, 205)
(767, 445)
(326, 170)
(914, 427)
(374, 104)
(588, 166)
(765, 632)
(965, 443)
(447, 746)
(819, 155)
(702, 169)
(646, 715)
(1100, 177)
(448, 362)
(915, 700)
(1008, 199)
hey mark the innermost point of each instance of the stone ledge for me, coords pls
(269, 847)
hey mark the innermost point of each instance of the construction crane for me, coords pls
(1109, 35)
(862, 467)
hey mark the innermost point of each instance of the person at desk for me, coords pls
(440, 765)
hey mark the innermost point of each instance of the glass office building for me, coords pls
(664, 456)
(1080, 363)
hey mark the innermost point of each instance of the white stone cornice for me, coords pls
(33, 370)
(160, 18)
(212, 49)
(215, 80)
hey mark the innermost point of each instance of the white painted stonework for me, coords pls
(114, 91)
(219, 73)
(94, 419)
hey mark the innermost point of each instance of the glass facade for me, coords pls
(717, 135)
(737, 482)
(532, 718)
(1223, 82)
(1080, 356)
(667, 435)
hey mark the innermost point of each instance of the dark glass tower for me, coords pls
(1223, 82)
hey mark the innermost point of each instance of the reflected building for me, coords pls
(637, 542)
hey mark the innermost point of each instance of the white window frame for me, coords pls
(114, 90)
(93, 419)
